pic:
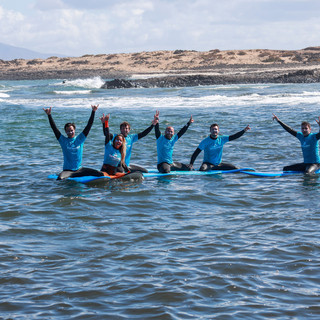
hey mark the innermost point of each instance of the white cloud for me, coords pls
(77, 27)
(46, 5)
(12, 25)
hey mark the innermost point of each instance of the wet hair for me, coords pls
(214, 125)
(305, 123)
(122, 149)
(69, 124)
(124, 124)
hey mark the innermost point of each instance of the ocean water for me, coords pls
(227, 246)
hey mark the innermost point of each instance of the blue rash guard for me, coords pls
(165, 148)
(130, 140)
(213, 149)
(310, 147)
(112, 156)
(72, 149)
(309, 144)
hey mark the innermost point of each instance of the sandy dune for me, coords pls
(146, 64)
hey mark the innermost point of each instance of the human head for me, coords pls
(119, 143)
(169, 132)
(305, 128)
(214, 130)
(125, 128)
(70, 129)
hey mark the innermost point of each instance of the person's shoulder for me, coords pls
(133, 135)
(160, 137)
(206, 140)
(110, 143)
(62, 138)
(80, 137)
(313, 135)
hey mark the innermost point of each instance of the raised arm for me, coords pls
(105, 127)
(55, 130)
(147, 131)
(185, 128)
(194, 157)
(239, 134)
(90, 122)
(156, 124)
(284, 126)
(157, 131)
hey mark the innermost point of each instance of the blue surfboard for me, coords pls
(102, 179)
(84, 179)
(150, 173)
(155, 173)
(274, 174)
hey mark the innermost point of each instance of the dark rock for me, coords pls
(299, 76)
(117, 83)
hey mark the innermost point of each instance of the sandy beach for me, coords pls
(226, 66)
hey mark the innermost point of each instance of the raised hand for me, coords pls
(156, 118)
(104, 118)
(274, 117)
(94, 108)
(47, 111)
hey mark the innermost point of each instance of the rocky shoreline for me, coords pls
(177, 68)
(299, 76)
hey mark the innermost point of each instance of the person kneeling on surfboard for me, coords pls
(115, 151)
(131, 139)
(213, 147)
(72, 147)
(309, 146)
(165, 144)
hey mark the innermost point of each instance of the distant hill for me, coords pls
(8, 52)
(247, 66)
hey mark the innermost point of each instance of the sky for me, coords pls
(79, 27)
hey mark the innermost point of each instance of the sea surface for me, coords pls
(229, 246)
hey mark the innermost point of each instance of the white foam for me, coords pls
(176, 102)
(201, 98)
(92, 83)
(73, 92)
(4, 95)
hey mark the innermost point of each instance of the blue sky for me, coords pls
(78, 27)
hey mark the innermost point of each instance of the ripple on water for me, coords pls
(229, 246)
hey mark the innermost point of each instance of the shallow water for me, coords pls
(229, 246)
